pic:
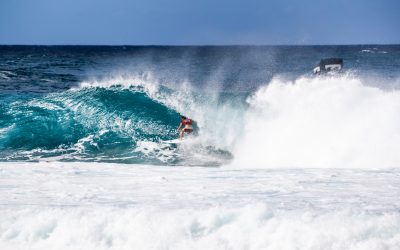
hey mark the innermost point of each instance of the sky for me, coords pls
(200, 22)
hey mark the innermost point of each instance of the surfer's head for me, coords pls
(183, 117)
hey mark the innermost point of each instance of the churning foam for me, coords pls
(250, 227)
(321, 122)
(77, 205)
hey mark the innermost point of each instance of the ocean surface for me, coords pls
(280, 158)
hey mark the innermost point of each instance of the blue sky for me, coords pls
(181, 22)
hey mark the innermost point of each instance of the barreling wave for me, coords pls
(112, 123)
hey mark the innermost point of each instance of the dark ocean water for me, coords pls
(118, 104)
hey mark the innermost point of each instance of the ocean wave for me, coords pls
(333, 121)
(107, 120)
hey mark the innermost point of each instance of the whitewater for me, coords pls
(109, 206)
(281, 159)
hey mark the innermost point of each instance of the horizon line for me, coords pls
(201, 45)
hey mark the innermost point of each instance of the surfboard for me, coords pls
(175, 141)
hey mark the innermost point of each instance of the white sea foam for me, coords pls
(109, 206)
(3, 131)
(44, 105)
(366, 51)
(373, 51)
(249, 227)
(321, 122)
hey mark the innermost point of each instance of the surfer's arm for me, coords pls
(180, 125)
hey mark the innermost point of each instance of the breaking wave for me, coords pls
(335, 121)
(331, 121)
(116, 120)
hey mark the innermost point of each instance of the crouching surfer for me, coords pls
(185, 126)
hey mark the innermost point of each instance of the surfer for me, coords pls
(185, 126)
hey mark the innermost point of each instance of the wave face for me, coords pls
(86, 123)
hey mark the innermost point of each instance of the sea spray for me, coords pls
(321, 122)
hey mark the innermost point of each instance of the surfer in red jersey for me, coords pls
(185, 126)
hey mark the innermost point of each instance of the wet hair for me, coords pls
(183, 117)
